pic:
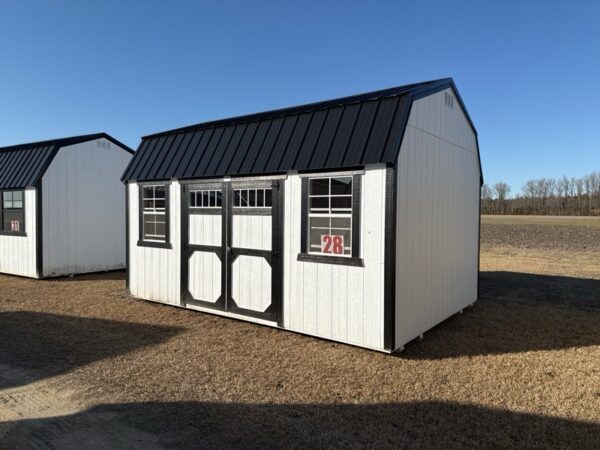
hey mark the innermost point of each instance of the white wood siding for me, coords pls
(252, 231)
(337, 302)
(154, 273)
(205, 276)
(18, 253)
(437, 217)
(205, 229)
(83, 204)
(251, 282)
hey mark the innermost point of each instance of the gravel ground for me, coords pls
(519, 369)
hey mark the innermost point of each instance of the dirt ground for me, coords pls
(542, 232)
(84, 366)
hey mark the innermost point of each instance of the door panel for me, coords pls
(203, 215)
(251, 283)
(205, 280)
(206, 229)
(232, 236)
(252, 231)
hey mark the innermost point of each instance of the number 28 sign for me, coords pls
(332, 243)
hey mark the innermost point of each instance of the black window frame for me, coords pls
(154, 243)
(8, 232)
(355, 258)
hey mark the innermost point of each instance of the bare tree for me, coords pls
(487, 199)
(502, 190)
(561, 196)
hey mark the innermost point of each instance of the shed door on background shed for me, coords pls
(231, 259)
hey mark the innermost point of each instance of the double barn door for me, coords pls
(231, 244)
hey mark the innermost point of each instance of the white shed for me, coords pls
(62, 208)
(354, 219)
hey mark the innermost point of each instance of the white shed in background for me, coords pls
(62, 207)
(354, 219)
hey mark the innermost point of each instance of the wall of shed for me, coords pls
(18, 253)
(338, 302)
(154, 273)
(83, 208)
(437, 217)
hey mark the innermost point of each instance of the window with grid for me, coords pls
(330, 216)
(206, 199)
(154, 213)
(12, 212)
(252, 198)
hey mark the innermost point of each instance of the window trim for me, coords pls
(354, 259)
(154, 243)
(22, 233)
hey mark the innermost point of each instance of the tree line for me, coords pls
(545, 196)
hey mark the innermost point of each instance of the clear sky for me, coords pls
(528, 71)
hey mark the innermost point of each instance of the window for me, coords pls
(252, 198)
(330, 216)
(12, 212)
(155, 219)
(206, 199)
(331, 219)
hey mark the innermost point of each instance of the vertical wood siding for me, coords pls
(437, 217)
(83, 208)
(205, 267)
(18, 253)
(205, 229)
(155, 272)
(205, 276)
(252, 231)
(338, 302)
(251, 275)
(251, 282)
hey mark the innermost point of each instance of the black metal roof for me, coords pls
(24, 164)
(345, 132)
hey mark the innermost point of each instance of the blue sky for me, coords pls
(527, 71)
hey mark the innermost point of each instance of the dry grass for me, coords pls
(520, 368)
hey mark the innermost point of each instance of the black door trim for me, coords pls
(274, 312)
(187, 250)
(228, 254)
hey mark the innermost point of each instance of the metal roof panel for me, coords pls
(346, 132)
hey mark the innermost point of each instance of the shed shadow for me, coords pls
(232, 425)
(517, 312)
(40, 345)
(117, 274)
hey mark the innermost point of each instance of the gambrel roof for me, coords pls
(341, 133)
(25, 164)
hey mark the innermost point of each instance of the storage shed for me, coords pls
(354, 219)
(62, 206)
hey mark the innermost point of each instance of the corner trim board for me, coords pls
(127, 243)
(39, 256)
(389, 284)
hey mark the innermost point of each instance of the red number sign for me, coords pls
(15, 225)
(332, 243)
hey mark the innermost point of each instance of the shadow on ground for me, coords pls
(118, 274)
(517, 312)
(44, 345)
(210, 425)
(581, 292)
